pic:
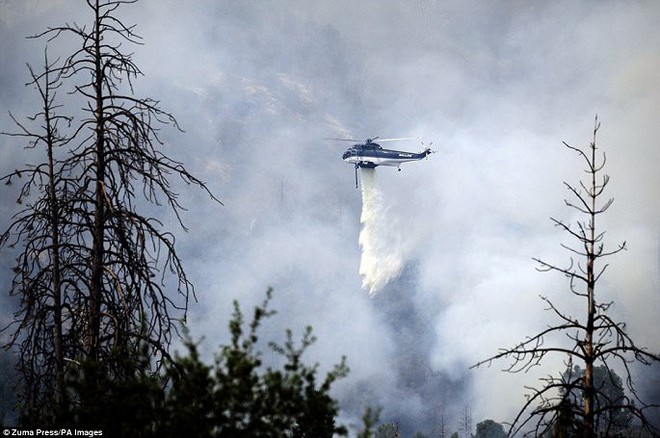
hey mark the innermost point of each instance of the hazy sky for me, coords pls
(495, 85)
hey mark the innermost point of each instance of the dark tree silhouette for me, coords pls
(610, 392)
(593, 340)
(370, 419)
(39, 273)
(489, 429)
(240, 396)
(95, 275)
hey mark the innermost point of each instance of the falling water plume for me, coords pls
(381, 259)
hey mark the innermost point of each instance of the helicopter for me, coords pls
(370, 154)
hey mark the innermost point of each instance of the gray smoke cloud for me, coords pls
(497, 86)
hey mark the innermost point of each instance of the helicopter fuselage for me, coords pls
(371, 155)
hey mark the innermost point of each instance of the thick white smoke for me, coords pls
(382, 256)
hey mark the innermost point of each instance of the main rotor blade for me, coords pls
(345, 139)
(373, 139)
(398, 139)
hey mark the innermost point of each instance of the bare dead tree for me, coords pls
(44, 324)
(95, 276)
(466, 422)
(441, 428)
(595, 339)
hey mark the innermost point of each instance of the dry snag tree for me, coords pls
(576, 403)
(38, 269)
(96, 280)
